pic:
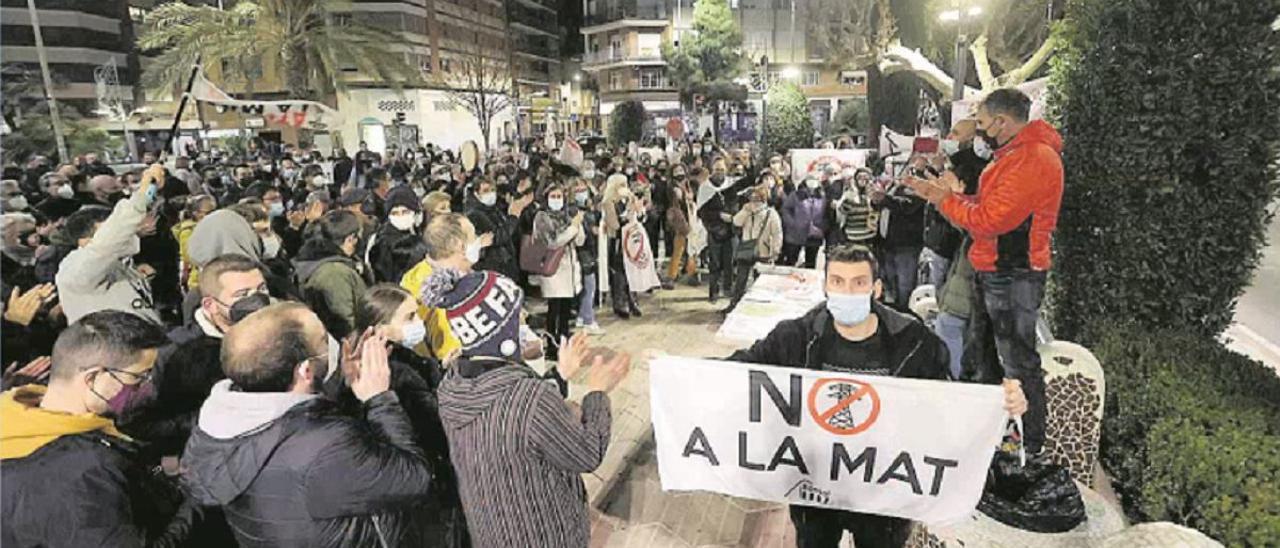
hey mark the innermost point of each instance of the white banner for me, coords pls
(809, 161)
(898, 447)
(642, 274)
(295, 113)
(1035, 89)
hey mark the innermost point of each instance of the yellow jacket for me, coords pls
(25, 427)
(182, 232)
(439, 335)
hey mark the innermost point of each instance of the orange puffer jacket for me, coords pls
(1013, 217)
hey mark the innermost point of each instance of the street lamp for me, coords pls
(958, 15)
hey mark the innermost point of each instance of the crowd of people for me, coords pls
(272, 347)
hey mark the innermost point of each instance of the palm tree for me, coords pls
(310, 41)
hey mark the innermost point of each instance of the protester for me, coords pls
(94, 276)
(188, 367)
(712, 212)
(1011, 221)
(804, 224)
(557, 230)
(396, 246)
(452, 244)
(59, 199)
(71, 479)
(490, 217)
(852, 332)
(512, 437)
(761, 240)
(265, 434)
(327, 272)
(588, 256)
(680, 216)
(620, 207)
(856, 216)
(941, 239)
(904, 235)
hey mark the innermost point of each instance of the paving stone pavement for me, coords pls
(629, 508)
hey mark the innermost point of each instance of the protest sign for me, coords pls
(898, 447)
(811, 161)
(779, 293)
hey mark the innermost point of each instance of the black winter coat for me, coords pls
(186, 370)
(501, 256)
(913, 350)
(90, 489)
(314, 477)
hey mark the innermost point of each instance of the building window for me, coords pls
(810, 78)
(615, 81)
(615, 48)
(652, 79)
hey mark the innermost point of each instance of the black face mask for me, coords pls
(116, 197)
(247, 305)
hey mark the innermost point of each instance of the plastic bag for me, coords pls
(1037, 496)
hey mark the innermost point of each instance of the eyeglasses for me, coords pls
(138, 378)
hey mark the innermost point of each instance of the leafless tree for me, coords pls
(480, 82)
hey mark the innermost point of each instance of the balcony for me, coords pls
(604, 59)
(655, 13)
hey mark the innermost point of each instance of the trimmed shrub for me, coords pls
(627, 123)
(1169, 113)
(787, 122)
(1191, 432)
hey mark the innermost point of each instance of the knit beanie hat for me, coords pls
(483, 310)
(403, 196)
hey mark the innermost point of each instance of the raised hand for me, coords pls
(22, 308)
(605, 375)
(572, 353)
(374, 375)
(35, 371)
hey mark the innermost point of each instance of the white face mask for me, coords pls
(555, 204)
(403, 221)
(950, 146)
(981, 149)
(66, 192)
(320, 180)
(413, 333)
(472, 252)
(489, 198)
(270, 247)
(18, 202)
(813, 184)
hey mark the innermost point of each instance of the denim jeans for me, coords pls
(720, 258)
(950, 329)
(1002, 340)
(587, 304)
(902, 270)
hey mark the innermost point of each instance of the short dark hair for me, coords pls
(379, 305)
(444, 235)
(374, 177)
(854, 253)
(267, 367)
(81, 224)
(1008, 101)
(107, 338)
(253, 213)
(213, 270)
(337, 226)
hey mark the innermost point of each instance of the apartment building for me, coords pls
(623, 38)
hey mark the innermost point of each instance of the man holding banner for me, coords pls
(854, 334)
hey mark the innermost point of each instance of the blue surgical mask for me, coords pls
(413, 333)
(849, 309)
(276, 209)
(581, 198)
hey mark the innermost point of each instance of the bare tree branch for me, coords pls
(979, 50)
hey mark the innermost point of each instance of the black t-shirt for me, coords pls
(866, 357)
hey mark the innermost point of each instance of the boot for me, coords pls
(633, 308)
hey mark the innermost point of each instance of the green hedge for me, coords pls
(787, 122)
(1168, 110)
(1191, 432)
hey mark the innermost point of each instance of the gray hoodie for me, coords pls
(95, 277)
(220, 233)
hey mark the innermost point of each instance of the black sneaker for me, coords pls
(621, 314)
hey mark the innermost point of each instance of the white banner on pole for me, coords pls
(810, 161)
(898, 447)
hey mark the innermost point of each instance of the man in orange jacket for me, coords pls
(1011, 221)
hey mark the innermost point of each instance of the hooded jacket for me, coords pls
(1015, 212)
(220, 233)
(74, 480)
(330, 284)
(803, 209)
(291, 470)
(95, 277)
(912, 350)
(520, 453)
